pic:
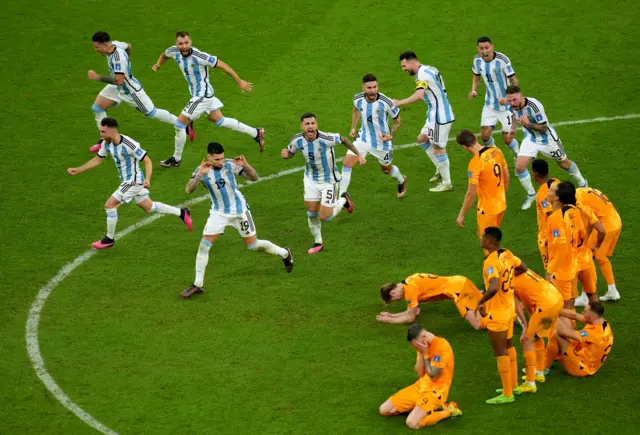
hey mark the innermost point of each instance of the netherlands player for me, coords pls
(544, 208)
(194, 65)
(425, 400)
(539, 137)
(127, 155)
(374, 136)
(320, 174)
(123, 86)
(434, 135)
(229, 208)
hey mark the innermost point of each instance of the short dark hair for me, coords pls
(597, 307)
(494, 232)
(408, 55)
(513, 89)
(369, 78)
(101, 37)
(466, 138)
(385, 291)
(182, 34)
(109, 122)
(414, 331)
(306, 115)
(567, 193)
(541, 167)
(215, 148)
(483, 39)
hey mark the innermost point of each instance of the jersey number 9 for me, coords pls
(497, 171)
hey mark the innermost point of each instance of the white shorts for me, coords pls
(138, 100)
(325, 193)
(491, 117)
(384, 157)
(241, 222)
(199, 105)
(128, 191)
(553, 150)
(438, 133)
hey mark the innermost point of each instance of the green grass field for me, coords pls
(261, 351)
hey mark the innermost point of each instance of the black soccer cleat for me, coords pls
(348, 204)
(288, 261)
(402, 188)
(171, 162)
(191, 290)
(260, 138)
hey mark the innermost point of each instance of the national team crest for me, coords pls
(583, 334)
(436, 358)
(470, 173)
(490, 270)
(556, 233)
(545, 204)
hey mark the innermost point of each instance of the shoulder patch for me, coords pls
(556, 233)
(470, 174)
(583, 334)
(490, 270)
(436, 358)
(539, 117)
(544, 203)
(139, 152)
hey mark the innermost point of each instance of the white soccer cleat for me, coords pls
(582, 300)
(610, 296)
(442, 188)
(436, 178)
(528, 202)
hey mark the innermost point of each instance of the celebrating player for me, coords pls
(195, 65)
(228, 209)
(424, 287)
(586, 272)
(540, 170)
(320, 179)
(123, 86)
(374, 135)
(430, 88)
(425, 400)
(127, 155)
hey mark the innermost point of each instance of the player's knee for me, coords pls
(413, 423)
(326, 218)
(97, 109)
(386, 169)
(520, 167)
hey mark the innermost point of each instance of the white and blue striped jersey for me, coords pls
(195, 68)
(127, 155)
(119, 63)
(320, 159)
(495, 74)
(221, 183)
(435, 95)
(534, 110)
(375, 119)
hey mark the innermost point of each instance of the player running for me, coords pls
(424, 287)
(320, 174)
(374, 136)
(123, 86)
(229, 208)
(425, 400)
(430, 88)
(127, 155)
(195, 65)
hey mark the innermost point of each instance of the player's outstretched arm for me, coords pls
(117, 79)
(93, 163)
(148, 170)
(286, 154)
(243, 85)
(353, 149)
(474, 87)
(417, 96)
(570, 314)
(161, 60)
(469, 198)
(355, 117)
(408, 316)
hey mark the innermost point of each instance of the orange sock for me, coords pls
(531, 362)
(504, 368)
(552, 351)
(513, 358)
(607, 271)
(435, 417)
(538, 345)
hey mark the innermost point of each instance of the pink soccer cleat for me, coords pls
(317, 247)
(106, 242)
(191, 132)
(95, 148)
(185, 215)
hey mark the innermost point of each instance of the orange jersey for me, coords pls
(601, 206)
(500, 264)
(441, 356)
(563, 234)
(535, 291)
(486, 170)
(421, 287)
(585, 255)
(543, 208)
(594, 345)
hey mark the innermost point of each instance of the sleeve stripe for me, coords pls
(356, 96)
(533, 106)
(326, 137)
(128, 143)
(386, 100)
(200, 55)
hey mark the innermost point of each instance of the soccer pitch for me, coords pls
(262, 351)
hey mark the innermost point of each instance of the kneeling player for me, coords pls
(425, 400)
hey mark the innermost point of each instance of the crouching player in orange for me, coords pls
(424, 287)
(587, 275)
(425, 400)
(544, 303)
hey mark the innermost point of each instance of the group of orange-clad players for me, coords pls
(575, 226)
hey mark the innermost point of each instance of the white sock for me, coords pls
(346, 179)
(490, 142)
(337, 208)
(525, 180)
(395, 173)
(513, 146)
(315, 226)
(430, 152)
(164, 116)
(236, 125)
(112, 220)
(538, 373)
(202, 259)
(611, 288)
(576, 175)
(269, 248)
(531, 384)
(181, 138)
(99, 114)
(161, 208)
(443, 168)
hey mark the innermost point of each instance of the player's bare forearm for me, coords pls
(349, 145)
(513, 80)
(507, 178)
(469, 198)
(475, 83)
(249, 173)
(93, 163)
(491, 291)
(538, 127)
(355, 117)
(433, 372)
(570, 314)
(286, 154)
(601, 233)
(228, 70)
(396, 126)
(161, 60)
(520, 269)
(128, 50)
(148, 167)
(520, 314)
(417, 96)
(193, 184)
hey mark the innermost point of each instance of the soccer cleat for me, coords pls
(348, 204)
(191, 132)
(581, 301)
(191, 290)
(526, 388)
(528, 202)
(185, 215)
(610, 296)
(442, 188)
(95, 148)
(516, 391)
(317, 247)
(500, 400)
(540, 379)
(455, 411)
(260, 138)
(288, 261)
(402, 188)
(171, 162)
(106, 242)
(436, 178)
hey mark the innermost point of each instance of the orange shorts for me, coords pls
(410, 397)
(568, 289)
(572, 363)
(544, 252)
(468, 298)
(608, 245)
(588, 278)
(543, 321)
(488, 220)
(498, 325)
